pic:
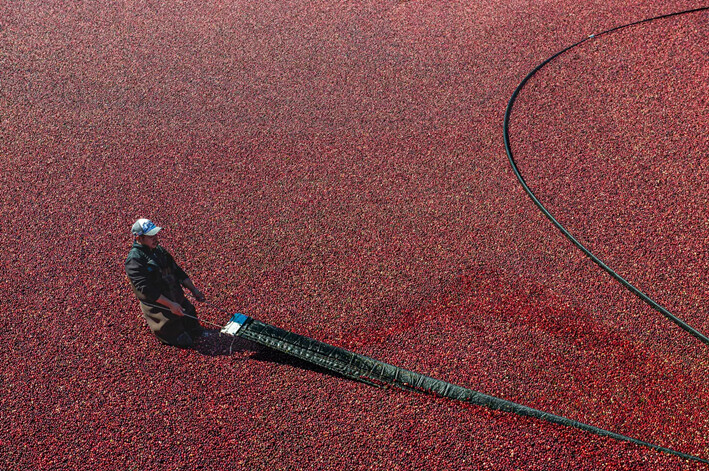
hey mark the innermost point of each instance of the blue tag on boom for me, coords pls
(232, 327)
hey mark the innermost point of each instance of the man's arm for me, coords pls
(141, 279)
(185, 280)
(187, 283)
(174, 307)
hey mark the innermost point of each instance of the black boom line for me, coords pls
(374, 372)
(647, 299)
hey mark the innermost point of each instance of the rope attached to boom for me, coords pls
(647, 299)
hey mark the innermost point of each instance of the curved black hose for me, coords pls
(647, 299)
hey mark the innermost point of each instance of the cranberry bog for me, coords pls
(337, 169)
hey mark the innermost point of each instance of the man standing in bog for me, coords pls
(158, 284)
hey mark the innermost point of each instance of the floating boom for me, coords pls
(368, 370)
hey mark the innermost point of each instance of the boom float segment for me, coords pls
(508, 148)
(368, 370)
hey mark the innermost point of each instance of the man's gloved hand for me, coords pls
(199, 296)
(176, 309)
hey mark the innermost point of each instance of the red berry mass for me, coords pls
(337, 169)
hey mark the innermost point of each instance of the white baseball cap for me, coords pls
(144, 227)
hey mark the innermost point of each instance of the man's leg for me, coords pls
(190, 322)
(184, 340)
(167, 327)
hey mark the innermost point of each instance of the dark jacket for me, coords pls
(153, 273)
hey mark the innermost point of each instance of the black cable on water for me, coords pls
(647, 299)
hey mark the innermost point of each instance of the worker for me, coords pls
(158, 282)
